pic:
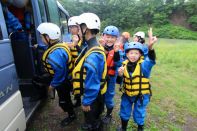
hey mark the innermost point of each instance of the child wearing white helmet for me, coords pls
(75, 46)
(140, 37)
(57, 62)
(89, 74)
(135, 72)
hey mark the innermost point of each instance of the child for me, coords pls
(136, 87)
(110, 35)
(75, 46)
(57, 62)
(89, 74)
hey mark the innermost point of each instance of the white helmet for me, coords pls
(52, 30)
(18, 3)
(91, 20)
(141, 34)
(73, 20)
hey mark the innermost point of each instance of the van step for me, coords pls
(29, 107)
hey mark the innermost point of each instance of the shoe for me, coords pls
(140, 128)
(107, 119)
(66, 121)
(86, 126)
(95, 127)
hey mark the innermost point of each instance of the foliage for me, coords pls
(193, 21)
(170, 31)
(129, 14)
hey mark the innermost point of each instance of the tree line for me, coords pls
(132, 15)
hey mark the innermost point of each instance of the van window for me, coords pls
(53, 12)
(42, 8)
(63, 21)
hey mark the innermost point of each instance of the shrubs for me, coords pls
(170, 31)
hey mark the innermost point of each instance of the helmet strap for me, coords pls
(48, 41)
(83, 35)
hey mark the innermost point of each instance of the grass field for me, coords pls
(173, 106)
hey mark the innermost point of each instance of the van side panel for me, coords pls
(10, 111)
(6, 56)
(8, 82)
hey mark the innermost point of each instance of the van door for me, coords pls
(11, 107)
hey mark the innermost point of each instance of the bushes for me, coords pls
(193, 22)
(170, 31)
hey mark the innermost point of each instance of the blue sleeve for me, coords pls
(145, 49)
(12, 22)
(147, 65)
(94, 66)
(58, 59)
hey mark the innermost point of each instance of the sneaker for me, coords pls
(140, 128)
(66, 121)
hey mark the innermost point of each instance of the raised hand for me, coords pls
(117, 46)
(75, 39)
(152, 39)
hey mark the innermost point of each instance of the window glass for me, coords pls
(53, 12)
(63, 21)
(42, 8)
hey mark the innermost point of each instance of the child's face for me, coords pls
(74, 29)
(109, 39)
(133, 55)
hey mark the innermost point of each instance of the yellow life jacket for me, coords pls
(136, 84)
(79, 73)
(74, 51)
(48, 67)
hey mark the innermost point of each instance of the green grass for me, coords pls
(174, 84)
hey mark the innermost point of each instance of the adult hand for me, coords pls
(35, 46)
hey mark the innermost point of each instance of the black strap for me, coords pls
(81, 78)
(80, 56)
(140, 96)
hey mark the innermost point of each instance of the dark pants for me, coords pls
(65, 102)
(92, 117)
(40, 86)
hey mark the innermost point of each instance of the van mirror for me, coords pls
(1, 33)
